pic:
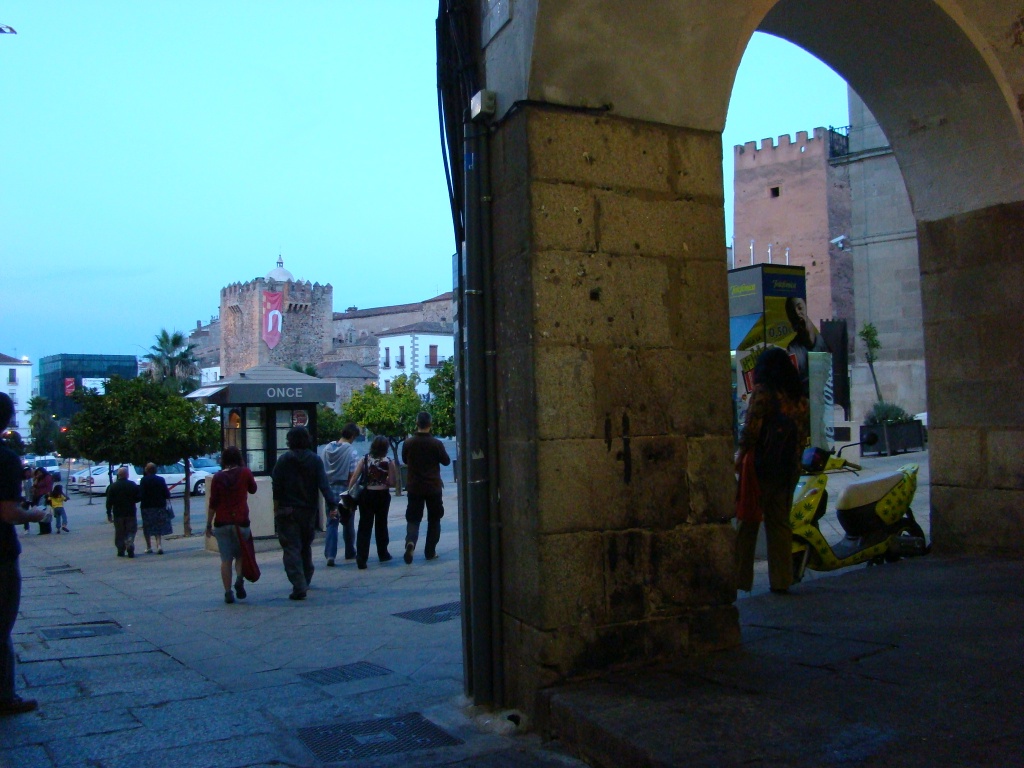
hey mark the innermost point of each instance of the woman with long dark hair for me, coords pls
(374, 502)
(773, 437)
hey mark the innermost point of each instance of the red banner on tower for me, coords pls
(69, 386)
(273, 317)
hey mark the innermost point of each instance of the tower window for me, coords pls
(774, 191)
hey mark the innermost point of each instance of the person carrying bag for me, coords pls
(227, 519)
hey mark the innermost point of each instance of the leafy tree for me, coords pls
(442, 399)
(173, 362)
(869, 335)
(42, 426)
(139, 420)
(328, 424)
(392, 414)
(14, 441)
(309, 369)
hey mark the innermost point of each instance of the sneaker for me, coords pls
(330, 562)
(149, 551)
(58, 531)
(120, 554)
(385, 558)
(361, 564)
(159, 551)
(297, 595)
(131, 553)
(240, 589)
(430, 556)
(65, 529)
(18, 706)
(228, 597)
(409, 547)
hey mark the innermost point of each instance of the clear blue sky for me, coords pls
(153, 152)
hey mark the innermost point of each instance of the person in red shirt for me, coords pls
(228, 516)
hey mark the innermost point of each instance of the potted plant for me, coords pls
(895, 429)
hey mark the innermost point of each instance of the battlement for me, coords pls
(750, 154)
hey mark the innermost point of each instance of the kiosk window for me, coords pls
(255, 448)
(282, 423)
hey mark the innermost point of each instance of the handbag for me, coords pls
(357, 488)
(748, 493)
(250, 568)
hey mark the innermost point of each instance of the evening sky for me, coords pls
(154, 152)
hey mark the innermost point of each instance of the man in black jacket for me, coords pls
(122, 496)
(423, 454)
(297, 477)
(11, 514)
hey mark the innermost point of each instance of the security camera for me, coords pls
(838, 241)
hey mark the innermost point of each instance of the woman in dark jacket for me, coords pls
(775, 432)
(228, 516)
(153, 503)
(374, 502)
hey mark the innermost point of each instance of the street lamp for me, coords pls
(6, 30)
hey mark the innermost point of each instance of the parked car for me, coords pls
(174, 474)
(206, 464)
(79, 480)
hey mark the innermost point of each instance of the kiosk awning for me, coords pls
(265, 385)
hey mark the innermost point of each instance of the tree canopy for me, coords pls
(441, 405)
(392, 414)
(42, 425)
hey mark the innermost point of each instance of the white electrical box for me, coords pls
(483, 105)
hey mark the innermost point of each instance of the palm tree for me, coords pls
(173, 362)
(42, 427)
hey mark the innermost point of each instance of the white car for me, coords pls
(79, 481)
(173, 474)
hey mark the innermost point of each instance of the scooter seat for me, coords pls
(862, 492)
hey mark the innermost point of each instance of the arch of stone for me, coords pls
(609, 284)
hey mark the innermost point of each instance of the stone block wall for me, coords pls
(613, 386)
(972, 267)
(305, 331)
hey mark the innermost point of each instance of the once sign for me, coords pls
(287, 392)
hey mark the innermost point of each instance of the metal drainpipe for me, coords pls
(476, 452)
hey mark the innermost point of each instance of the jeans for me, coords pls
(125, 529)
(414, 516)
(60, 518)
(10, 597)
(373, 516)
(295, 528)
(347, 522)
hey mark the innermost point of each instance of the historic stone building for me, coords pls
(793, 206)
(274, 319)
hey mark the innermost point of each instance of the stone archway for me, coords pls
(609, 284)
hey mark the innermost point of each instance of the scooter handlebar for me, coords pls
(854, 467)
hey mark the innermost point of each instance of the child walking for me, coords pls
(56, 501)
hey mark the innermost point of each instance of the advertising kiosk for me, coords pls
(257, 408)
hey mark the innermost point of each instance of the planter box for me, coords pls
(893, 438)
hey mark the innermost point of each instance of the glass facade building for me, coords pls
(60, 375)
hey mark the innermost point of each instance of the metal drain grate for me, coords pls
(346, 673)
(77, 631)
(433, 615)
(372, 738)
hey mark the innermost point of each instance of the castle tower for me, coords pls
(274, 319)
(788, 197)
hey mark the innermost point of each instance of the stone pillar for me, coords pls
(972, 270)
(614, 395)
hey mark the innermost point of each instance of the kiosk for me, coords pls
(257, 408)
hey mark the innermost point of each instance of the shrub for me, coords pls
(887, 412)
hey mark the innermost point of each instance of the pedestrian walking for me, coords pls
(42, 485)
(298, 476)
(424, 455)
(122, 496)
(11, 513)
(56, 501)
(154, 506)
(773, 437)
(227, 518)
(374, 502)
(340, 458)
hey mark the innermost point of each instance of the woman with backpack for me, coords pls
(374, 502)
(768, 463)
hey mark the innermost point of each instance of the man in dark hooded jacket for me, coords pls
(339, 460)
(297, 477)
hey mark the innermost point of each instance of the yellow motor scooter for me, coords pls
(874, 513)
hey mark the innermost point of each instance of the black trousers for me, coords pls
(296, 528)
(373, 516)
(414, 516)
